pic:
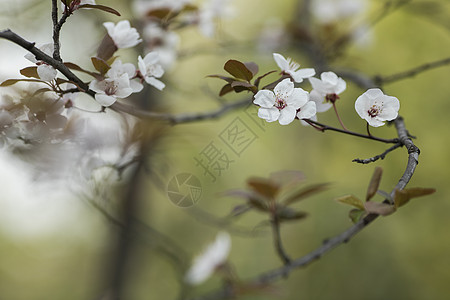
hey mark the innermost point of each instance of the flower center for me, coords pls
(331, 97)
(280, 103)
(374, 111)
(110, 89)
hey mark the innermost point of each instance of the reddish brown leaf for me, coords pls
(30, 72)
(225, 89)
(374, 183)
(264, 187)
(101, 7)
(238, 70)
(100, 65)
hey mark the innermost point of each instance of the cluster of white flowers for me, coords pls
(122, 79)
(285, 102)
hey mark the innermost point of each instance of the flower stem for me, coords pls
(338, 117)
(368, 130)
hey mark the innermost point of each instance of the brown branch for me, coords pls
(278, 273)
(377, 157)
(412, 72)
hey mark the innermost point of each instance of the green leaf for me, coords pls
(305, 192)
(351, 200)
(100, 65)
(30, 72)
(356, 214)
(238, 70)
(403, 196)
(264, 187)
(379, 208)
(101, 7)
(374, 183)
(226, 89)
(14, 81)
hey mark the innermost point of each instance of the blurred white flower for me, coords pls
(291, 68)
(330, 11)
(109, 89)
(376, 107)
(151, 69)
(142, 7)
(163, 41)
(273, 36)
(211, 12)
(326, 90)
(206, 263)
(281, 104)
(44, 70)
(123, 35)
(118, 69)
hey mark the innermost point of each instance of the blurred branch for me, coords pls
(412, 72)
(329, 244)
(277, 239)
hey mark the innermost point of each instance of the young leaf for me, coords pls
(238, 70)
(379, 208)
(374, 183)
(264, 187)
(403, 196)
(356, 214)
(80, 69)
(240, 86)
(100, 65)
(305, 192)
(30, 72)
(288, 214)
(226, 89)
(351, 200)
(227, 79)
(14, 81)
(101, 7)
(252, 67)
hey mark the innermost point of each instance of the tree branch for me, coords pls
(330, 244)
(377, 157)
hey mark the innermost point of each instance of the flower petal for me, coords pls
(46, 72)
(269, 114)
(105, 100)
(284, 89)
(265, 98)
(282, 63)
(297, 99)
(155, 82)
(303, 73)
(307, 111)
(287, 115)
(373, 93)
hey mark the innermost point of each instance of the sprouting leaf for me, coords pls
(30, 72)
(356, 214)
(240, 86)
(226, 89)
(252, 67)
(76, 67)
(254, 199)
(351, 200)
(239, 210)
(379, 208)
(14, 81)
(374, 183)
(305, 192)
(403, 196)
(238, 70)
(101, 7)
(263, 186)
(100, 65)
(288, 214)
(227, 79)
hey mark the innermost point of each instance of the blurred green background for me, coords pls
(403, 256)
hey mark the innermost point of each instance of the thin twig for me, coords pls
(278, 273)
(412, 72)
(323, 128)
(277, 240)
(377, 157)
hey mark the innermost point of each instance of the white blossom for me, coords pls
(326, 90)
(109, 89)
(282, 104)
(307, 111)
(163, 41)
(123, 35)
(291, 68)
(142, 7)
(118, 69)
(376, 107)
(151, 69)
(82, 2)
(44, 70)
(211, 258)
